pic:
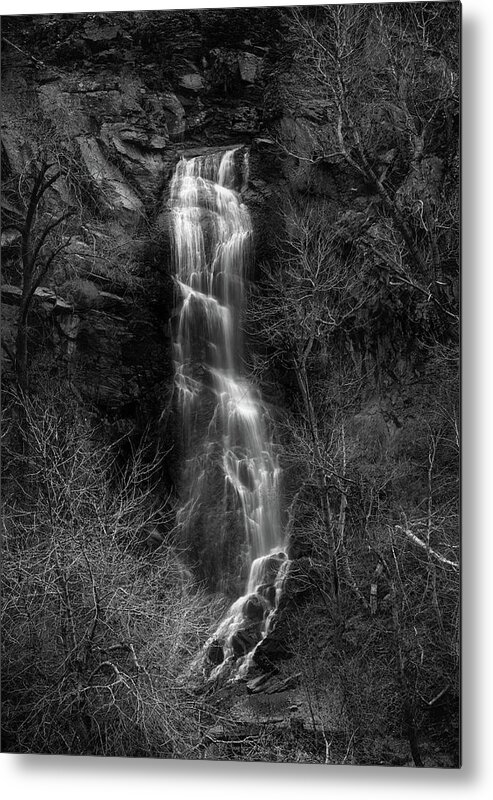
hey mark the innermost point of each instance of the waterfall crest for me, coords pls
(226, 428)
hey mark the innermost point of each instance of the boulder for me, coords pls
(250, 67)
(94, 31)
(294, 584)
(265, 569)
(10, 237)
(268, 592)
(253, 608)
(215, 653)
(243, 641)
(192, 81)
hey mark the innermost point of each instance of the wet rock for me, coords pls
(294, 585)
(268, 592)
(215, 653)
(254, 608)
(243, 641)
(264, 570)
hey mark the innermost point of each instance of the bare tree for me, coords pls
(308, 302)
(96, 631)
(43, 238)
(382, 83)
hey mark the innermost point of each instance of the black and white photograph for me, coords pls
(231, 384)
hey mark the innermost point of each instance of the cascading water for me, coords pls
(225, 425)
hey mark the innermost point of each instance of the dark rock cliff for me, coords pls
(115, 100)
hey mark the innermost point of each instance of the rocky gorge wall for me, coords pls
(115, 100)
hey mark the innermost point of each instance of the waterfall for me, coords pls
(229, 466)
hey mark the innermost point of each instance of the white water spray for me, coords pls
(211, 233)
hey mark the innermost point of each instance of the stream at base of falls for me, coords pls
(230, 472)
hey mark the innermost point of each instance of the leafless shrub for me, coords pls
(95, 633)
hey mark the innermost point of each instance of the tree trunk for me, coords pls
(302, 379)
(21, 355)
(407, 710)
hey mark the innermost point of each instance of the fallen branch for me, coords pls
(437, 697)
(426, 547)
(36, 61)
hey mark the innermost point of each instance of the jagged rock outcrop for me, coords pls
(296, 587)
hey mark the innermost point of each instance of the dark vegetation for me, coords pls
(360, 310)
(353, 325)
